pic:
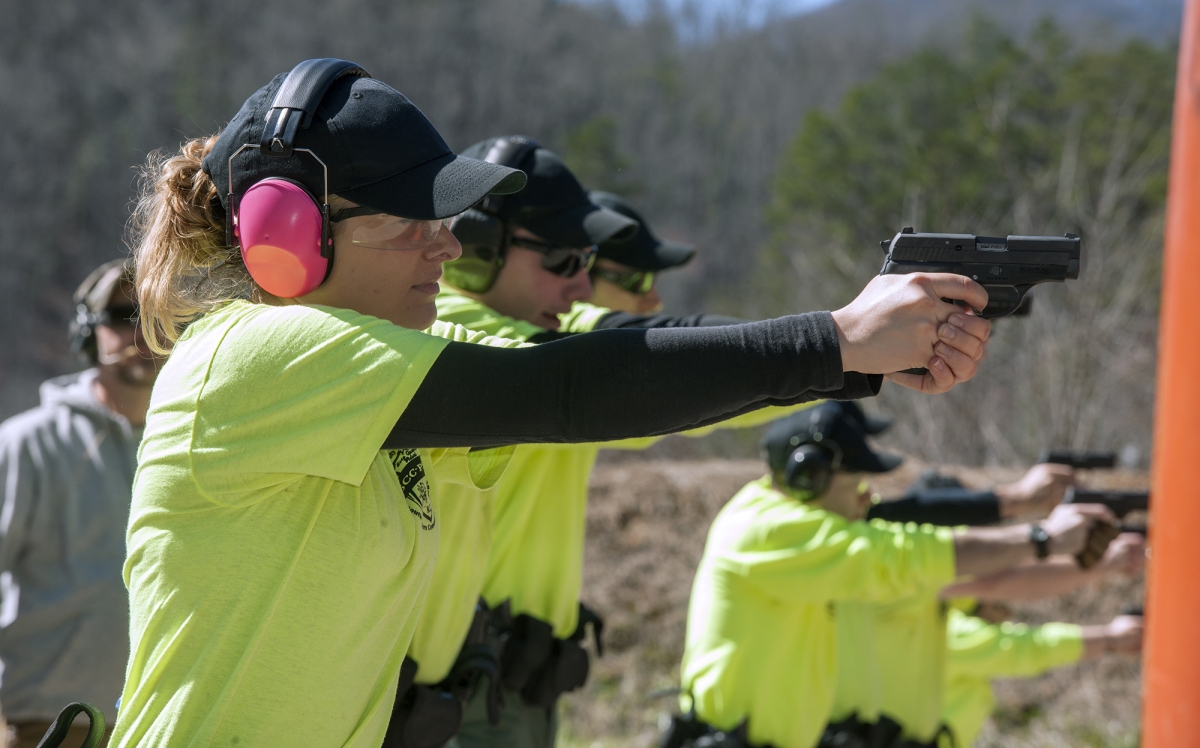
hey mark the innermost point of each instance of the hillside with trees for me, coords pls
(706, 131)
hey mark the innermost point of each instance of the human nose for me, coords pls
(578, 287)
(445, 247)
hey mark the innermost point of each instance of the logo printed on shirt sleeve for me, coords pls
(410, 471)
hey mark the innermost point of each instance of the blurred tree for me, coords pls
(594, 154)
(1006, 138)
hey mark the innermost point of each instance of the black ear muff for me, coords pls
(82, 331)
(481, 231)
(809, 468)
(482, 238)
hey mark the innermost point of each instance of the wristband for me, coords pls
(1040, 539)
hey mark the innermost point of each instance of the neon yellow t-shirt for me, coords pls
(978, 651)
(277, 558)
(858, 690)
(910, 642)
(761, 636)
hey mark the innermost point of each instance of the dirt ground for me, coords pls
(647, 522)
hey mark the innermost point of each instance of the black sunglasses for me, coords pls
(564, 262)
(637, 282)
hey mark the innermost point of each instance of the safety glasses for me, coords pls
(385, 231)
(637, 282)
(564, 262)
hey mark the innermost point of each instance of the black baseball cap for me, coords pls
(554, 204)
(872, 425)
(380, 151)
(644, 251)
(824, 424)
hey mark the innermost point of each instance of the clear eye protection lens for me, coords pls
(390, 232)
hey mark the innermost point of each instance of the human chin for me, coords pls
(418, 316)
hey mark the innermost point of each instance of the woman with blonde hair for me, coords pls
(283, 529)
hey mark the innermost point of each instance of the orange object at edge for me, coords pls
(1171, 669)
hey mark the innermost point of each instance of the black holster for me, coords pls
(689, 731)
(536, 664)
(883, 733)
(429, 716)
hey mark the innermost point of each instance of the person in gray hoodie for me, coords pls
(67, 469)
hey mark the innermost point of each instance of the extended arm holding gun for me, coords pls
(1120, 502)
(1006, 267)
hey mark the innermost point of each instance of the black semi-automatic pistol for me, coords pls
(1006, 267)
(1120, 502)
(1080, 460)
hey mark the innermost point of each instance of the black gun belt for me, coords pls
(428, 716)
(884, 732)
(689, 731)
(535, 663)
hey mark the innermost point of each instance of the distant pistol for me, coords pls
(1080, 460)
(1006, 267)
(1120, 502)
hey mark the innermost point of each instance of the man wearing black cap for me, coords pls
(760, 661)
(527, 255)
(533, 546)
(624, 293)
(625, 272)
(67, 470)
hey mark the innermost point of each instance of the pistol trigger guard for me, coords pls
(1021, 291)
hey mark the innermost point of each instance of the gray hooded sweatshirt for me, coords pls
(67, 468)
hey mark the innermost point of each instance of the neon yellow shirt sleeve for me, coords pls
(1009, 650)
(978, 651)
(350, 375)
(795, 552)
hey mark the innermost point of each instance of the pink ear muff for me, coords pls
(279, 227)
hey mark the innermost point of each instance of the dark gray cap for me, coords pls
(380, 151)
(554, 205)
(644, 251)
(823, 424)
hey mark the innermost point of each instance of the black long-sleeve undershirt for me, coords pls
(626, 320)
(622, 320)
(617, 384)
(941, 506)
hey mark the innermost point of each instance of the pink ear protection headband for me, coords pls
(283, 232)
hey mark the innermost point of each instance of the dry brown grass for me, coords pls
(647, 522)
